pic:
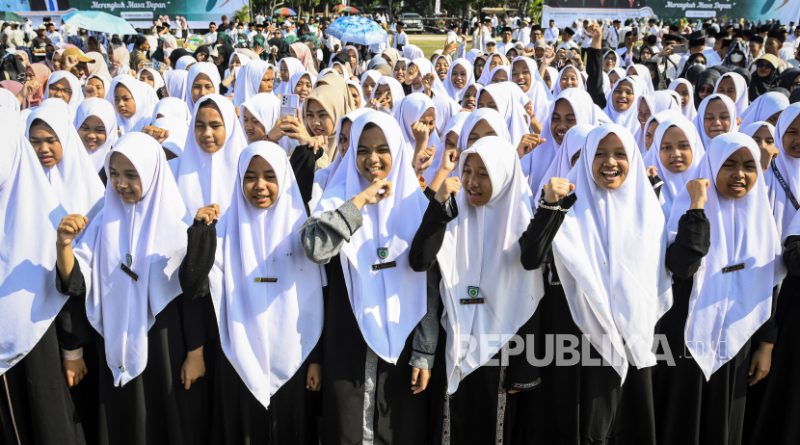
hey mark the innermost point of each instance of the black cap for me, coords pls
(569, 31)
(700, 41)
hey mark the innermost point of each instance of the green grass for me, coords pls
(428, 42)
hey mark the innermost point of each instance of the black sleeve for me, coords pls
(429, 236)
(791, 254)
(657, 183)
(426, 334)
(72, 325)
(197, 310)
(201, 248)
(594, 76)
(303, 161)
(537, 239)
(691, 244)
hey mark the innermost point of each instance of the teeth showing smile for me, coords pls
(610, 173)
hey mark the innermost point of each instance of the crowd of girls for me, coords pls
(430, 251)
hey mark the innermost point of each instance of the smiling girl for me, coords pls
(64, 159)
(97, 128)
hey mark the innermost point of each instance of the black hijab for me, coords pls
(760, 85)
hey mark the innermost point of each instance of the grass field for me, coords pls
(427, 42)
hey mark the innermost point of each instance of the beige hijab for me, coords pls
(336, 100)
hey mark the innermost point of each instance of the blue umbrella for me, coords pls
(99, 21)
(355, 29)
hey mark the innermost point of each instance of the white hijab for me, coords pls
(701, 112)
(455, 125)
(540, 95)
(387, 303)
(143, 96)
(511, 109)
(74, 85)
(175, 81)
(267, 330)
(8, 100)
(689, 111)
(782, 208)
(185, 62)
(457, 93)
(158, 80)
(75, 182)
(172, 107)
(481, 249)
(206, 68)
(491, 117)
(630, 117)
(395, 90)
(249, 80)
(322, 176)
(561, 165)
(206, 178)
(675, 183)
(410, 110)
(103, 110)
(616, 290)
(557, 81)
(725, 309)
(645, 79)
(742, 97)
(536, 163)
(764, 107)
(29, 301)
(293, 65)
(150, 237)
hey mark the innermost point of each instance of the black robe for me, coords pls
(153, 408)
(396, 415)
(481, 410)
(576, 404)
(35, 403)
(689, 409)
(238, 418)
(774, 419)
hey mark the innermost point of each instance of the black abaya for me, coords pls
(689, 409)
(577, 404)
(775, 418)
(35, 403)
(153, 408)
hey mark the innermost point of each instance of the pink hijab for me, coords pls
(42, 73)
(303, 54)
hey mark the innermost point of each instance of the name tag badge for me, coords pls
(129, 272)
(386, 265)
(266, 280)
(733, 268)
(472, 293)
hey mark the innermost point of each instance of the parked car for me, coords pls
(412, 21)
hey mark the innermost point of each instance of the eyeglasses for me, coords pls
(59, 90)
(764, 65)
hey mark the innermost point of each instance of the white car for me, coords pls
(412, 22)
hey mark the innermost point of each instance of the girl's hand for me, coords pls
(74, 371)
(760, 363)
(208, 214)
(450, 187)
(69, 228)
(374, 193)
(423, 159)
(314, 377)
(419, 379)
(193, 368)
